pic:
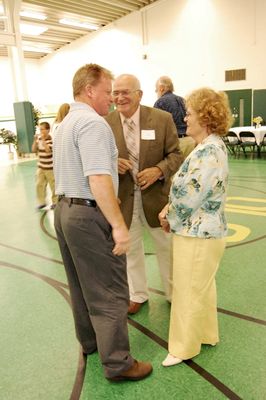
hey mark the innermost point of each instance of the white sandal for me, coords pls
(171, 360)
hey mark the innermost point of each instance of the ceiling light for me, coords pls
(33, 15)
(33, 30)
(3, 17)
(1, 9)
(37, 49)
(78, 24)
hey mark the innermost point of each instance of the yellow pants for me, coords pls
(194, 307)
(43, 177)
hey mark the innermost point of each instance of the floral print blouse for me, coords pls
(198, 192)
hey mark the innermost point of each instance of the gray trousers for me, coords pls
(98, 284)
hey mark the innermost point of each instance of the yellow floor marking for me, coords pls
(251, 199)
(246, 209)
(241, 233)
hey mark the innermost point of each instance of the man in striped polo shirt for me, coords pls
(43, 145)
(92, 234)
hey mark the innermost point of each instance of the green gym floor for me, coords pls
(40, 358)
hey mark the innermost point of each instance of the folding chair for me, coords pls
(262, 145)
(232, 143)
(248, 142)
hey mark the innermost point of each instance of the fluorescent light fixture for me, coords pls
(78, 24)
(33, 30)
(2, 15)
(33, 15)
(37, 49)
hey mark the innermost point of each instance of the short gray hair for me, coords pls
(167, 83)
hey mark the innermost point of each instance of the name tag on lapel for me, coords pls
(148, 134)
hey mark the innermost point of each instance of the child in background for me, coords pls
(43, 145)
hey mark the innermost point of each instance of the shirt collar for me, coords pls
(78, 105)
(134, 117)
(212, 137)
(168, 92)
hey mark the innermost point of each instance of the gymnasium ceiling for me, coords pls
(57, 35)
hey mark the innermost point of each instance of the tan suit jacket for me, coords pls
(162, 152)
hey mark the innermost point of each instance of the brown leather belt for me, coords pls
(81, 202)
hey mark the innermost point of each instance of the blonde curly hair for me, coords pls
(212, 109)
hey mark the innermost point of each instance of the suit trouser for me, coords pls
(98, 284)
(193, 318)
(137, 280)
(43, 177)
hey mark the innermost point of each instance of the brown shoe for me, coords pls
(138, 371)
(134, 307)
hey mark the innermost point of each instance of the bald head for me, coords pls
(128, 79)
(127, 94)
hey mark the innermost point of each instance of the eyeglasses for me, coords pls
(124, 93)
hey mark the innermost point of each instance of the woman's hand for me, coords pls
(162, 218)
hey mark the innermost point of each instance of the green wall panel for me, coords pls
(259, 104)
(25, 125)
(236, 98)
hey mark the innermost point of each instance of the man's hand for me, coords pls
(121, 239)
(103, 191)
(124, 165)
(148, 176)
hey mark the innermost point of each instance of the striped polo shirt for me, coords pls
(84, 145)
(45, 159)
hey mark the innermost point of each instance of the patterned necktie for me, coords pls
(131, 140)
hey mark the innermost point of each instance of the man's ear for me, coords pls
(140, 94)
(88, 90)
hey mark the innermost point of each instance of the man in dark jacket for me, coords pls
(168, 101)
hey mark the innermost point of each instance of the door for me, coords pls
(241, 106)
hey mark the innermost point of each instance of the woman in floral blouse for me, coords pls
(195, 215)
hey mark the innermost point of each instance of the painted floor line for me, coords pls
(60, 287)
(190, 363)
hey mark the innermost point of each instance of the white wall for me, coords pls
(193, 41)
(8, 97)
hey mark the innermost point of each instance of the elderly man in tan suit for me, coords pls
(148, 156)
